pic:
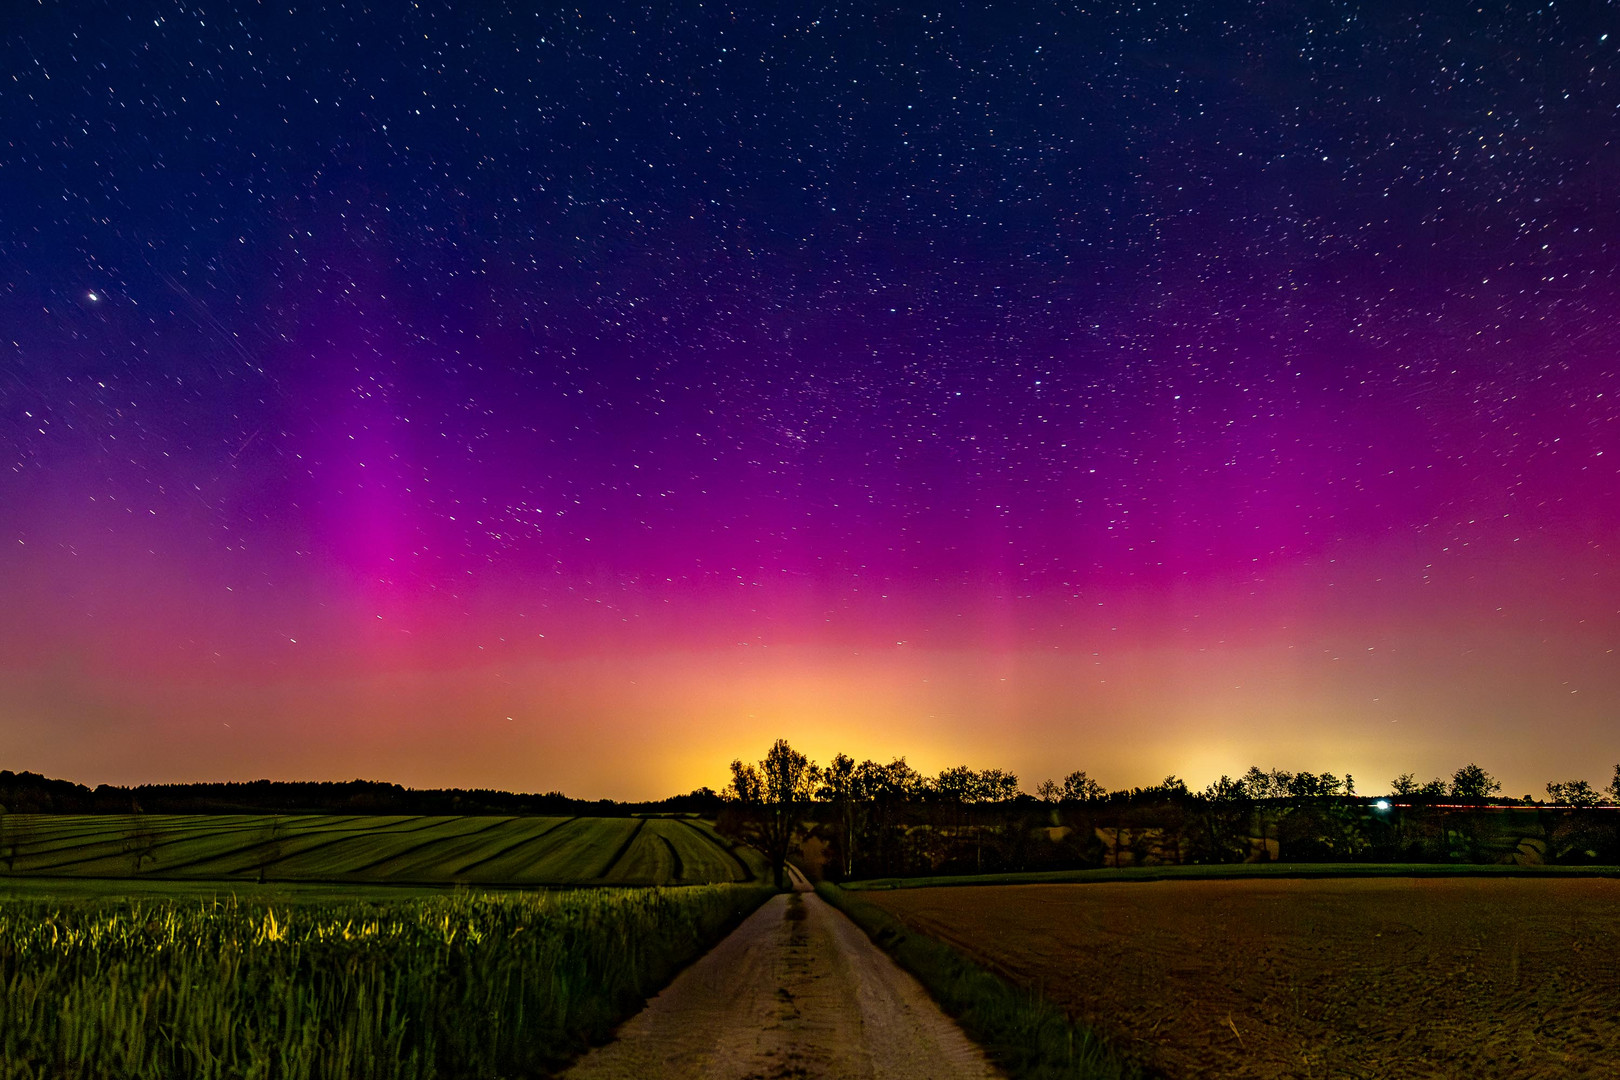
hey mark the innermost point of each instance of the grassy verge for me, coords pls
(1026, 1035)
(1216, 872)
(467, 985)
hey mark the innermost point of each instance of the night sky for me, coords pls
(459, 395)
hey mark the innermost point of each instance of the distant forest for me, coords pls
(842, 780)
(31, 793)
(868, 819)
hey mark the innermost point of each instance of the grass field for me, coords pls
(1411, 977)
(454, 986)
(488, 851)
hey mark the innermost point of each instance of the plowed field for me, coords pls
(1398, 978)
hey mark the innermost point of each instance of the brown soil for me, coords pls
(1398, 978)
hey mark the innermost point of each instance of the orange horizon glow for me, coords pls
(1128, 701)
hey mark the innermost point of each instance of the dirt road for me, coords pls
(797, 991)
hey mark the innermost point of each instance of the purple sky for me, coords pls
(581, 400)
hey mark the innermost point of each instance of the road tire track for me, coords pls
(796, 991)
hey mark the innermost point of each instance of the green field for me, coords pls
(450, 986)
(382, 851)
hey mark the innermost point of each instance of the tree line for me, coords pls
(31, 793)
(876, 819)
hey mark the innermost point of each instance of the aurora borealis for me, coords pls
(458, 395)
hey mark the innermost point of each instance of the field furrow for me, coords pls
(711, 858)
(526, 863)
(644, 858)
(613, 860)
(549, 825)
(425, 847)
(392, 850)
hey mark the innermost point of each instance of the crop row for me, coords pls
(461, 985)
(417, 850)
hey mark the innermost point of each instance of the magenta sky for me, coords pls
(580, 403)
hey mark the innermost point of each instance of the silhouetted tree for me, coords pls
(960, 787)
(1226, 809)
(888, 790)
(1473, 782)
(1574, 793)
(997, 785)
(776, 794)
(1171, 816)
(1266, 785)
(1173, 785)
(1078, 787)
(1614, 785)
(1307, 785)
(1265, 788)
(959, 784)
(838, 787)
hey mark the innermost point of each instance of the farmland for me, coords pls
(448, 986)
(365, 850)
(1270, 978)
